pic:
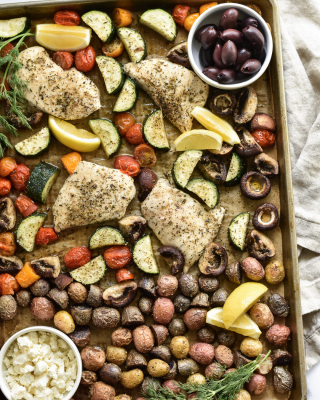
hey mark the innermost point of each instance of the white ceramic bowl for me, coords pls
(3, 384)
(212, 16)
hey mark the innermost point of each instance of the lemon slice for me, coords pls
(60, 37)
(77, 139)
(216, 124)
(244, 325)
(240, 300)
(198, 139)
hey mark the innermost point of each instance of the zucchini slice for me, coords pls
(160, 21)
(12, 27)
(238, 230)
(134, 43)
(112, 73)
(236, 169)
(35, 144)
(154, 132)
(27, 230)
(91, 272)
(101, 24)
(106, 236)
(41, 180)
(206, 190)
(108, 134)
(184, 166)
(143, 256)
(127, 97)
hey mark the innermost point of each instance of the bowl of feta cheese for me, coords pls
(39, 363)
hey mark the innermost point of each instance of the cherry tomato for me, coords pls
(117, 256)
(6, 50)
(77, 257)
(264, 138)
(127, 165)
(5, 186)
(123, 274)
(113, 49)
(20, 177)
(8, 284)
(206, 7)
(121, 17)
(7, 165)
(123, 121)
(85, 59)
(67, 18)
(180, 13)
(145, 155)
(45, 236)
(134, 135)
(190, 20)
(63, 58)
(7, 244)
(25, 205)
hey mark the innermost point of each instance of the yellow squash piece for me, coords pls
(198, 139)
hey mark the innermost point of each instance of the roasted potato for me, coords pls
(143, 339)
(110, 373)
(179, 346)
(158, 368)
(203, 353)
(64, 322)
(131, 379)
(42, 308)
(121, 337)
(116, 355)
(93, 358)
(163, 310)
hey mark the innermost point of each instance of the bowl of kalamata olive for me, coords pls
(230, 46)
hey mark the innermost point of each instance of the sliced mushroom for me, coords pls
(60, 297)
(219, 297)
(214, 260)
(282, 380)
(234, 272)
(179, 55)
(47, 267)
(265, 217)
(161, 352)
(222, 103)
(147, 286)
(224, 151)
(266, 165)
(132, 317)
(133, 227)
(174, 258)
(173, 370)
(213, 168)
(32, 120)
(63, 281)
(280, 358)
(262, 121)
(136, 360)
(247, 147)
(278, 305)
(146, 180)
(120, 295)
(7, 214)
(254, 185)
(240, 359)
(10, 265)
(201, 300)
(246, 105)
(260, 246)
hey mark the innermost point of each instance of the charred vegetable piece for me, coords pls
(81, 336)
(260, 246)
(262, 121)
(94, 298)
(81, 314)
(62, 281)
(278, 305)
(280, 358)
(219, 297)
(60, 297)
(145, 305)
(174, 258)
(238, 230)
(161, 352)
(181, 303)
(147, 286)
(246, 105)
(237, 168)
(160, 333)
(120, 295)
(213, 168)
(132, 317)
(188, 285)
(136, 360)
(7, 214)
(214, 260)
(224, 151)
(282, 380)
(10, 264)
(133, 227)
(247, 147)
(234, 272)
(222, 103)
(47, 267)
(179, 55)
(255, 186)
(266, 165)
(265, 217)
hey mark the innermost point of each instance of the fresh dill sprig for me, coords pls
(157, 392)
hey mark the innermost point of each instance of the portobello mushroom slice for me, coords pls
(8, 214)
(214, 260)
(222, 103)
(247, 147)
(147, 286)
(120, 295)
(266, 165)
(260, 246)
(255, 186)
(265, 217)
(226, 149)
(10, 265)
(174, 258)
(47, 267)
(33, 119)
(133, 227)
(247, 103)
(179, 55)
(213, 168)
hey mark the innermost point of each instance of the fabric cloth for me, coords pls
(300, 31)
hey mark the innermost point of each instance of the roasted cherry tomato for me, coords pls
(117, 256)
(121, 17)
(20, 177)
(123, 274)
(68, 18)
(134, 135)
(180, 13)
(63, 58)
(77, 257)
(190, 20)
(127, 165)
(6, 50)
(8, 284)
(123, 121)
(25, 205)
(264, 138)
(206, 7)
(5, 186)
(7, 165)
(7, 244)
(113, 49)
(145, 155)
(85, 59)
(45, 236)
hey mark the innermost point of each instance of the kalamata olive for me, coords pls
(259, 55)
(240, 76)
(233, 35)
(229, 18)
(249, 21)
(212, 73)
(238, 25)
(200, 31)
(209, 37)
(217, 56)
(251, 66)
(229, 53)
(226, 76)
(206, 57)
(254, 36)
(244, 54)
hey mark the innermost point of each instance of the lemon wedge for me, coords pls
(244, 325)
(64, 38)
(77, 139)
(216, 124)
(240, 300)
(198, 139)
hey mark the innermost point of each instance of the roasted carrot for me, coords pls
(70, 161)
(27, 276)
(121, 17)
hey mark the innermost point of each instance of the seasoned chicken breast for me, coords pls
(175, 89)
(179, 220)
(65, 94)
(93, 193)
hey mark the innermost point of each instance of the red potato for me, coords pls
(203, 353)
(167, 285)
(143, 339)
(172, 385)
(163, 310)
(195, 318)
(278, 335)
(257, 384)
(224, 356)
(42, 308)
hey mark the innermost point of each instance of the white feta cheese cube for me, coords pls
(62, 344)
(20, 359)
(17, 392)
(24, 342)
(26, 379)
(41, 381)
(33, 336)
(26, 368)
(40, 367)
